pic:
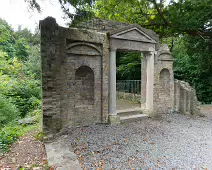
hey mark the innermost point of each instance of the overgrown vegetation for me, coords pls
(128, 65)
(20, 87)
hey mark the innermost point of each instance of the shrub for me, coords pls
(26, 95)
(8, 111)
(7, 137)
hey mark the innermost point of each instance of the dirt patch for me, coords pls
(122, 104)
(27, 152)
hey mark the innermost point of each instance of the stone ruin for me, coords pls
(79, 74)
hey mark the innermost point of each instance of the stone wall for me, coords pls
(185, 99)
(169, 95)
(163, 81)
(75, 68)
(74, 76)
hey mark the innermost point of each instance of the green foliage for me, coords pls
(188, 16)
(178, 17)
(7, 136)
(8, 111)
(193, 63)
(6, 38)
(4, 62)
(11, 132)
(9, 66)
(22, 49)
(26, 95)
(20, 87)
(39, 136)
(130, 11)
(33, 65)
(128, 66)
(32, 39)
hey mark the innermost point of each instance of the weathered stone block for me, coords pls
(114, 119)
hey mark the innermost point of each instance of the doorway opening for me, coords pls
(128, 80)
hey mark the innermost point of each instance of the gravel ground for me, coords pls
(168, 142)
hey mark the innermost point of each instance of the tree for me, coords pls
(6, 38)
(128, 66)
(192, 17)
(179, 16)
(19, 72)
(193, 63)
(32, 39)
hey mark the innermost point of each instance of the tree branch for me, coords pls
(160, 12)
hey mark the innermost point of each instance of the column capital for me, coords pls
(113, 49)
(149, 53)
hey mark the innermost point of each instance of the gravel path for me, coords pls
(168, 142)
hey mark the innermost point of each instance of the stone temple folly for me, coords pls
(79, 74)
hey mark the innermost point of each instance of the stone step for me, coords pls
(131, 118)
(129, 115)
(128, 112)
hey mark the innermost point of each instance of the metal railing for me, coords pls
(129, 86)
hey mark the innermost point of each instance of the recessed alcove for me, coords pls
(84, 80)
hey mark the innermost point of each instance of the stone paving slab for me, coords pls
(61, 156)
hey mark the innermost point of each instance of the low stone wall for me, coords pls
(128, 96)
(185, 99)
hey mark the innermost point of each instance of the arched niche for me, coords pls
(165, 82)
(83, 48)
(84, 82)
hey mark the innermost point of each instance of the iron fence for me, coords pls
(129, 86)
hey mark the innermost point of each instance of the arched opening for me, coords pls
(165, 82)
(84, 79)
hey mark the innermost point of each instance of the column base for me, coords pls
(150, 113)
(114, 119)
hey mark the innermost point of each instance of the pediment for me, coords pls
(134, 34)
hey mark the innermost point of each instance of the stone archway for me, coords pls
(86, 57)
(132, 38)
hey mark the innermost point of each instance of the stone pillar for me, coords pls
(113, 118)
(143, 80)
(50, 65)
(150, 81)
(177, 97)
(188, 102)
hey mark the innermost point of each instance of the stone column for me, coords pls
(150, 81)
(113, 118)
(143, 80)
(188, 108)
(177, 97)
